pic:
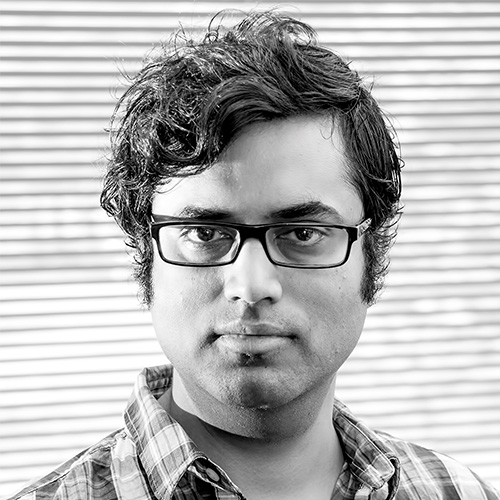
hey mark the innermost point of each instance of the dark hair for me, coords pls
(190, 101)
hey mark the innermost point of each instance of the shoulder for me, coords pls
(425, 473)
(88, 475)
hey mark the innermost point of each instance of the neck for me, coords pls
(294, 451)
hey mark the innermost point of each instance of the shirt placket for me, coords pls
(222, 487)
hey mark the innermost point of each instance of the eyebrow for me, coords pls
(195, 212)
(307, 209)
(292, 212)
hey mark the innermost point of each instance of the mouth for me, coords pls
(252, 345)
(252, 339)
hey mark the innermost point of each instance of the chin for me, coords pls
(256, 389)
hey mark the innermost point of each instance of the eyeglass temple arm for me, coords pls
(363, 227)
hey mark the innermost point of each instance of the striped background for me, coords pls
(73, 336)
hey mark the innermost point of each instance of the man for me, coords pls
(259, 185)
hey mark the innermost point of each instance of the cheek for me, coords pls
(335, 311)
(180, 294)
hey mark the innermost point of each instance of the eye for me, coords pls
(204, 234)
(302, 235)
(306, 234)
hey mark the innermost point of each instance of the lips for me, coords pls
(252, 329)
(252, 339)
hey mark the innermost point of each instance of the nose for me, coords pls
(252, 277)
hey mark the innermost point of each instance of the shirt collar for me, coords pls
(166, 451)
(164, 448)
(370, 460)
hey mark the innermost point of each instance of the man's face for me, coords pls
(251, 333)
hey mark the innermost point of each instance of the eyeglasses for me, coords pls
(295, 244)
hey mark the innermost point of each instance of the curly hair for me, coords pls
(193, 98)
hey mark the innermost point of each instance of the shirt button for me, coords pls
(213, 475)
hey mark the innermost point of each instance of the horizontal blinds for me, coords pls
(73, 336)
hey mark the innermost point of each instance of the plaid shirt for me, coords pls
(153, 458)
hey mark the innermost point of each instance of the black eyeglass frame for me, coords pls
(258, 232)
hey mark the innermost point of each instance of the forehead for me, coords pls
(271, 166)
